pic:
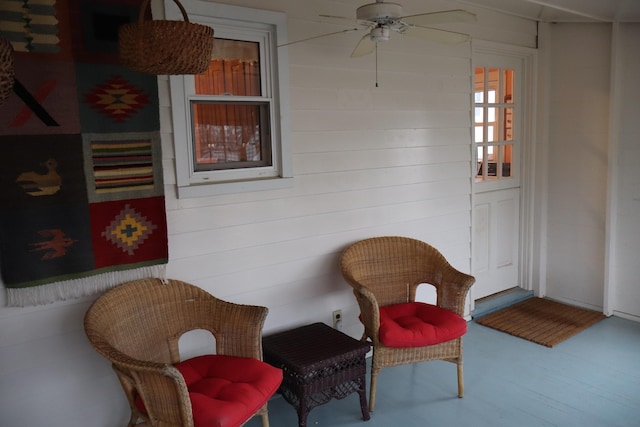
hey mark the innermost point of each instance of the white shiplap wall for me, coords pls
(367, 161)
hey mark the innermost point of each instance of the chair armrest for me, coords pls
(369, 311)
(455, 287)
(159, 385)
(240, 329)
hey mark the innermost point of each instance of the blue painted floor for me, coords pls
(592, 379)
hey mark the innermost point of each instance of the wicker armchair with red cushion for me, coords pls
(385, 273)
(137, 326)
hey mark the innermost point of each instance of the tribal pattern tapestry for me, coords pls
(81, 194)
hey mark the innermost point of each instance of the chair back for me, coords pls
(392, 267)
(145, 319)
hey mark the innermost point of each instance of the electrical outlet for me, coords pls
(337, 319)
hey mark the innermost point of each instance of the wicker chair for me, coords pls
(385, 272)
(137, 325)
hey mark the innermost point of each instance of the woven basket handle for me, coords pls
(146, 3)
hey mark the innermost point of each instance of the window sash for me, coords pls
(231, 134)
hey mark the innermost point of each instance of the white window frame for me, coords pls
(269, 30)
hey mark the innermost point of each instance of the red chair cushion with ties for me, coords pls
(417, 324)
(225, 391)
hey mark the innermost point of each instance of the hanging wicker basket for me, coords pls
(6, 69)
(165, 47)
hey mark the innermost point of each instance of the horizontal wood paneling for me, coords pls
(223, 216)
(259, 233)
(439, 230)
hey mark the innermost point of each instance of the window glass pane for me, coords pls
(506, 157)
(478, 97)
(478, 134)
(508, 124)
(479, 84)
(490, 151)
(492, 160)
(493, 84)
(235, 70)
(491, 115)
(508, 86)
(479, 115)
(492, 97)
(230, 135)
(492, 133)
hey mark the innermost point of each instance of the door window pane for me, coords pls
(508, 86)
(493, 122)
(508, 124)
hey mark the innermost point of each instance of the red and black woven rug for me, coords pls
(81, 192)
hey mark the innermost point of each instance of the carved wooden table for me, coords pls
(319, 363)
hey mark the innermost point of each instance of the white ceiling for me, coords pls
(566, 10)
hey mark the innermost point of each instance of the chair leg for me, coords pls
(264, 414)
(133, 420)
(460, 378)
(372, 391)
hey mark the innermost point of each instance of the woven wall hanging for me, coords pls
(165, 47)
(6, 69)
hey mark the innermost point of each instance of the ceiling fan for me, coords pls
(382, 19)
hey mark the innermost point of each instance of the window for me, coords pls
(493, 123)
(230, 122)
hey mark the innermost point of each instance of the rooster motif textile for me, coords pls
(81, 191)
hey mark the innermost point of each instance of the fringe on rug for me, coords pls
(78, 288)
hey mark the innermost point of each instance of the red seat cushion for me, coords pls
(416, 324)
(225, 391)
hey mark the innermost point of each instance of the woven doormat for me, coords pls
(541, 321)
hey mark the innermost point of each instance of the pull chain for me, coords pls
(376, 64)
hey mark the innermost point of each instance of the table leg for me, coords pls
(363, 399)
(303, 411)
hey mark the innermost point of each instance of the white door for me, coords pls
(498, 140)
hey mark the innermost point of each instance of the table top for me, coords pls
(308, 347)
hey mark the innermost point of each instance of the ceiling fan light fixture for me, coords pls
(379, 34)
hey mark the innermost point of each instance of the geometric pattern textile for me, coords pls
(121, 165)
(81, 192)
(128, 230)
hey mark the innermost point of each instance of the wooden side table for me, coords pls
(319, 363)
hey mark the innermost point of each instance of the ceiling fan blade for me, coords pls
(348, 30)
(447, 16)
(349, 21)
(433, 34)
(364, 47)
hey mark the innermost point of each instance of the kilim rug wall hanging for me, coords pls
(81, 192)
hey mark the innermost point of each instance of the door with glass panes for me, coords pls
(497, 139)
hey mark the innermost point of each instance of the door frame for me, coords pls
(532, 190)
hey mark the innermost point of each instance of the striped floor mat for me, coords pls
(541, 321)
